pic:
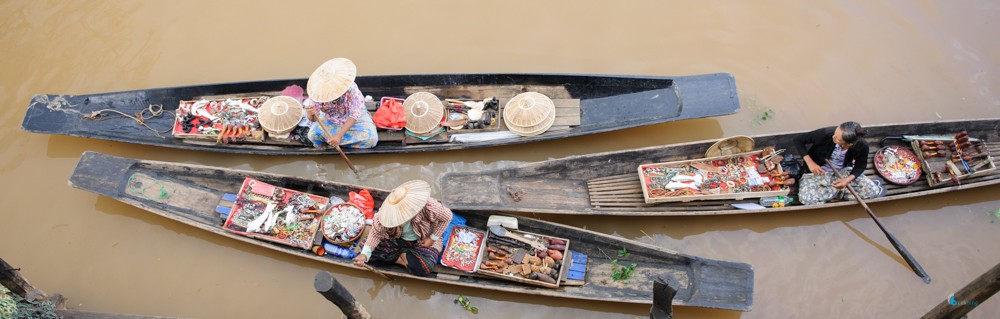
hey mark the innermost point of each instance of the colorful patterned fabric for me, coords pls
(351, 104)
(817, 189)
(362, 135)
(420, 261)
(429, 222)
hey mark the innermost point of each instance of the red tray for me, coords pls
(897, 164)
(465, 248)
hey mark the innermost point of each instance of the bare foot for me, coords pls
(401, 260)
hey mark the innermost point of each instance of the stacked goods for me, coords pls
(224, 120)
(276, 214)
(423, 112)
(950, 160)
(343, 224)
(280, 114)
(753, 174)
(524, 257)
(529, 114)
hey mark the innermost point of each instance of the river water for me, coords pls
(806, 64)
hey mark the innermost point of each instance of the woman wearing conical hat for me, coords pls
(407, 230)
(337, 108)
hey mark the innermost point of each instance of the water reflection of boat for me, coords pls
(608, 183)
(189, 194)
(586, 104)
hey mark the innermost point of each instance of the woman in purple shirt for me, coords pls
(337, 108)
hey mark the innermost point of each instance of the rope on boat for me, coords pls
(155, 110)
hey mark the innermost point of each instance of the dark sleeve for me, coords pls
(860, 159)
(809, 138)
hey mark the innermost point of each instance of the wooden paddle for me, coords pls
(892, 239)
(326, 133)
(377, 272)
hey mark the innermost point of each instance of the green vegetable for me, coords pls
(467, 304)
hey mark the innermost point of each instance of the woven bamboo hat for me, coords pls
(729, 146)
(529, 114)
(528, 109)
(331, 80)
(280, 114)
(404, 202)
(423, 112)
(533, 130)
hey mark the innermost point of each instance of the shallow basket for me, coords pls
(343, 224)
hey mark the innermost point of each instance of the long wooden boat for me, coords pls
(608, 183)
(586, 104)
(196, 190)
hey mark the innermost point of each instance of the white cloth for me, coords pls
(482, 137)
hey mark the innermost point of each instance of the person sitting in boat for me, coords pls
(838, 148)
(337, 109)
(407, 230)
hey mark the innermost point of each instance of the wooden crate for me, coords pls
(728, 192)
(518, 278)
(257, 194)
(256, 133)
(932, 165)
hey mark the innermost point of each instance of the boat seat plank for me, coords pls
(544, 194)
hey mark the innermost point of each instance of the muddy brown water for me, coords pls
(806, 64)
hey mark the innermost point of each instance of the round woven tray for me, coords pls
(897, 164)
(343, 223)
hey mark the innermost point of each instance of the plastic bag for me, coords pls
(390, 114)
(364, 200)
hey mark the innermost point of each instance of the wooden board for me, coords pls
(933, 165)
(720, 192)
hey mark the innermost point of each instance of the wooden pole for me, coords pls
(377, 272)
(663, 297)
(330, 288)
(970, 296)
(910, 260)
(349, 164)
(320, 119)
(11, 278)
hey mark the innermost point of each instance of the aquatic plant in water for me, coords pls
(15, 307)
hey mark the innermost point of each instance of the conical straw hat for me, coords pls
(331, 80)
(534, 130)
(280, 114)
(404, 202)
(423, 112)
(729, 146)
(528, 109)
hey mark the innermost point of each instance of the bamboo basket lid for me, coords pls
(534, 130)
(423, 112)
(280, 114)
(404, 202)
(331, 80)
(729, 146)
(528, 109)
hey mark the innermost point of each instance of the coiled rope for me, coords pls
(155, 110)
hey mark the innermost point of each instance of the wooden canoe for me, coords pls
(608, 183)
(196, 190)
(595, 103)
